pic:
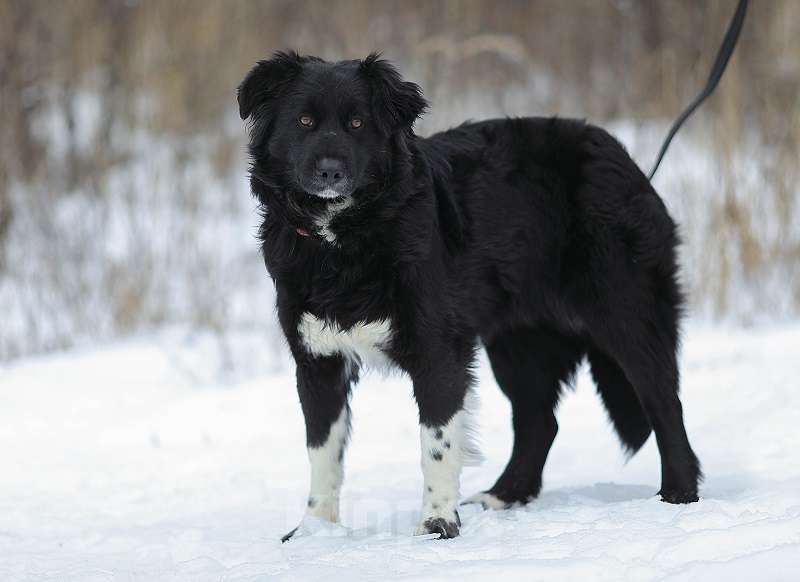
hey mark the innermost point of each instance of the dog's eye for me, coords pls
(306, 121)
(356, 122)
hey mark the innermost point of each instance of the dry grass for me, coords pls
(168, 70)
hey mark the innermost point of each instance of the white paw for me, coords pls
(313, 526)
(486, 500)
(324, 507)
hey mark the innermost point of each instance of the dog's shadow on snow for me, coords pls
(403, 521)
(594, 495)
(598, 493)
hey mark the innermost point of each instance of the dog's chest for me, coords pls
(365, 343)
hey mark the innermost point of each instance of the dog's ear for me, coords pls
(265, 81)
(396, 103)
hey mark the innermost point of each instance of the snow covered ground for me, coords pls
(165, 459)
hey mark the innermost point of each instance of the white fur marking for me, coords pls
(327, 193)
(444, 450)
(327, 471)
(363, 343)
(487, 501)
(323, 221)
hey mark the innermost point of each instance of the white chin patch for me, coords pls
(328, 193)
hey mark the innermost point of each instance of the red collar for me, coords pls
(302, 231)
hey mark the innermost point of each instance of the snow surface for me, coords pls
(165, 459)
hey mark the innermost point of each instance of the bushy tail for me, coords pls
(623, 406)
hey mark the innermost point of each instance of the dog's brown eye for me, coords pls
(356, 122)
(306, 121)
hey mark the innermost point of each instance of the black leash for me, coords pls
(724, 55)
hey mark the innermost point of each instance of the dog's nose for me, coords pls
(330, 171)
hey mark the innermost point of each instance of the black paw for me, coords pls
(289, 535)
(673, 496)
(439, 525)
(445, 529)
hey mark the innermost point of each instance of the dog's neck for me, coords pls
(397, 207)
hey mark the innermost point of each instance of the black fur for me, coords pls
(539, 237)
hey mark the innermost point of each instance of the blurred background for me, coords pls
(124, 204)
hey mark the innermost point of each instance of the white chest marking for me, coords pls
(364, 343)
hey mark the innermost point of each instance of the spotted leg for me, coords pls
(442, 458)
(445, 446)
(323, 384)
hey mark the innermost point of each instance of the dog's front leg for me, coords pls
(444, 445)
(323, 384)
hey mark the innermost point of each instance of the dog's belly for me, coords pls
(364, 343)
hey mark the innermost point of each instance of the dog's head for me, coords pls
(326, 127)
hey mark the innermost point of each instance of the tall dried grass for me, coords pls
(116, 116)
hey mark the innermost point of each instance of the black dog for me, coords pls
(538, 237)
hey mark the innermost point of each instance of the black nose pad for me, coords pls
(330, 171)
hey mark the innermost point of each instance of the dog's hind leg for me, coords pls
(323, 384)
(647, 355)
(529, 365)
